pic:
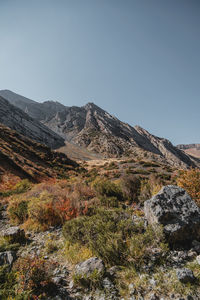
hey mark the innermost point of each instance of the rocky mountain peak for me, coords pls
(96, 130)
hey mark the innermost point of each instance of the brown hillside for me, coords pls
(25, 158)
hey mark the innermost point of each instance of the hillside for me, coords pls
(96, 130)
(14, 118)
(25, 158)
(191, 149)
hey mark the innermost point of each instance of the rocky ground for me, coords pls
(172, 208)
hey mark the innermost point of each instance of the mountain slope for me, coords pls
(27, 159)
(39, 111)
(96, 130)
(191, 149)
(16, 119)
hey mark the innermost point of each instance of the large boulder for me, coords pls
(173, 208)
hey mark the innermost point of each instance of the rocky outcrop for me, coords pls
(173, 208)
(16, 119)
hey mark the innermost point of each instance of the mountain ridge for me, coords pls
(16, 119)
(98, 131)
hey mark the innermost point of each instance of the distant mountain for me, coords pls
(27, 159)
(96, 130)
(14, 118)
(191, 149)
(39, 111)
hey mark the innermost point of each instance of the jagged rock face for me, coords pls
(16, 119)
(39, 111)
(93, 128)
(173, 208)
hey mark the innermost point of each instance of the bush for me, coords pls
(92, 281)
(7, 283)
(142, 245)
(112, 236)
(49, 204)
(104, 233)
(190, 181)
(33, 276)
(18, 210)
(131, 187)
(109, 193)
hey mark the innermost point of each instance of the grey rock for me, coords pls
(198, 259)
(89, 266)
(13, 234)
(153, 296)
(185, 275)
(173, 208)
(7, 258)
(112, 271)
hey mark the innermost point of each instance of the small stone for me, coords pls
(185, 275)
(7, 257)
(89, 266)
(192, 254)
(57, 280)
(153, 297)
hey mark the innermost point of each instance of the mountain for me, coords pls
(39, 111)
(27, 159)
(96, 130)
(14, 118)
(191, 149)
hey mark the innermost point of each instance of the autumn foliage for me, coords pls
(190, 181)
(48, 204)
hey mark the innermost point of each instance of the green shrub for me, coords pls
(91, 281)
(112, 236)
(104, 233)
(131, 187)
(7, 283)
(109, 193)
(18, 210)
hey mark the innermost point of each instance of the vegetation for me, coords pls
(190, 181)
(101, 214)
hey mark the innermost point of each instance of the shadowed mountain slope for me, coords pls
(27, 159)
(14, 118)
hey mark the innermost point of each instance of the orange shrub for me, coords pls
(49, 204)
(190, 181)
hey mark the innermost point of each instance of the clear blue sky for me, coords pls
(137, 59)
